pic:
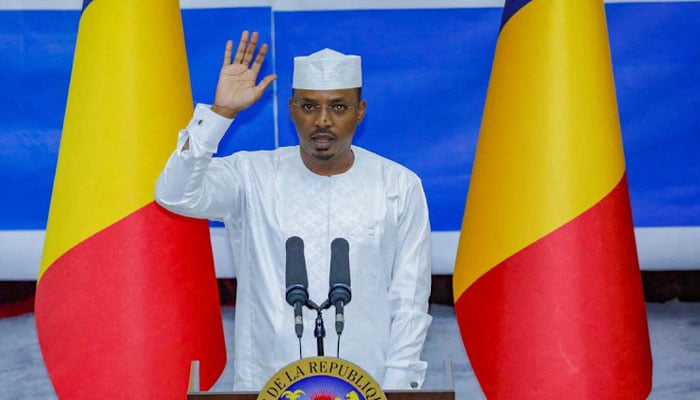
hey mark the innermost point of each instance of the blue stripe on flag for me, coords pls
(510, 8)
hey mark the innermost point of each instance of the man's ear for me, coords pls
(361, 108)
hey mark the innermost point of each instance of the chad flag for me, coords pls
(547, 285)
(127, 293)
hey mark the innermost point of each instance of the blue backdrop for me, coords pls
(426, 76)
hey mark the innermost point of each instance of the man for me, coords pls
(323, 189)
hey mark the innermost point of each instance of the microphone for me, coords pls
(296, 280)
(339, 294)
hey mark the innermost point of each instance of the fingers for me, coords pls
(263, 85)
(257, 64)
(240, 51)
(246, 50)
(227, 52)
(250, 49)
(266, 82)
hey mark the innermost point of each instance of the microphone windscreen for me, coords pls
(296, 264)
(340, 262)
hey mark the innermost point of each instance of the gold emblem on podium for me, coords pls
(321, 378)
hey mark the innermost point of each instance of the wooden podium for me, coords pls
(448, 393)
(390, 395)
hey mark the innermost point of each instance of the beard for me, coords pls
(322, 156)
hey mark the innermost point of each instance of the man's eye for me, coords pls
(339, 107)
(308, 106)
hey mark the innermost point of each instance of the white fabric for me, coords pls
(327, 70)
(264, 198)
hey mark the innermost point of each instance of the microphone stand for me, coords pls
(319, 329)
(319, 333)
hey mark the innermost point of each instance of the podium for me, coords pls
(427, 394)
(445, 391)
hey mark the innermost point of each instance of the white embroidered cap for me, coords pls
(327, 70)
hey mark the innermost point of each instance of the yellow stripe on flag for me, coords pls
(541, 81)
(109, 101)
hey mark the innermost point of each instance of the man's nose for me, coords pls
(324, 117)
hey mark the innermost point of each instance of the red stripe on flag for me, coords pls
(140, 297)
(564, 318)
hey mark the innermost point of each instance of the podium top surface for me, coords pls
(390, 395)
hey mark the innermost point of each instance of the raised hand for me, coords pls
(236, 89)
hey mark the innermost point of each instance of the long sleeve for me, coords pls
(408, 293)
(192, 182)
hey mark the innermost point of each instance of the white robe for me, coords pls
(265, 197)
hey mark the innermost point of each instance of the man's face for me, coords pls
(325, 121)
